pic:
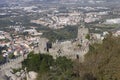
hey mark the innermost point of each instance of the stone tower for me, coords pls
(82, 31)
(81, 37)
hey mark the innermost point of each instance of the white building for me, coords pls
(117, 33)
(113, 21)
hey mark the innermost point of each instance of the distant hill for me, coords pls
(3, 1)
(59, 1)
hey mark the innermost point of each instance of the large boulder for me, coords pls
(17, 74)
(31, 75)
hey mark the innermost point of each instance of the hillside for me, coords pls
(103, 59)
(101, 63)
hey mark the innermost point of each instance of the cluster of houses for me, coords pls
(13, 45)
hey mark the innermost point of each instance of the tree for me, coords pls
(87, 37)
(64, 63)
(102, 59)
(38, 62)
(88, 76)
(1, 59)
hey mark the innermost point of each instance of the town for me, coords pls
(22, 30)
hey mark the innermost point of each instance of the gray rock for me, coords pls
(18, 74)
(23, 75)
(31, 75)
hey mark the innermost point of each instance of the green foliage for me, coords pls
(1, 58)
(11, 56)
(6, 23)
(16, 70)
(25, 33)
(79, 45)
(88, 76)
(64, 63)
(5, 40)
(49, 68)
(88, 36)
(69, 32)
(103, 59)
(38, 62)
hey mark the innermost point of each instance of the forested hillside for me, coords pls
(103, 59)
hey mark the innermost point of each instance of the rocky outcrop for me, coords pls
(31, 75)
(20, 75)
